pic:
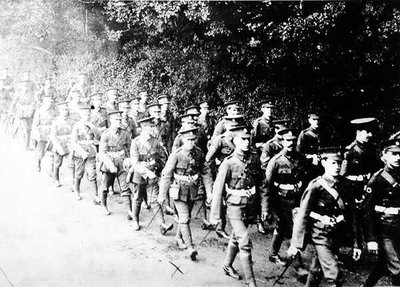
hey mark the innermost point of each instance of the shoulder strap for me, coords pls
(389, 178)
(331, 191)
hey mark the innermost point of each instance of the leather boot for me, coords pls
(38, 165)
(186, 234)
(313, 280)
(299, 267)
(104, 202)
(77, 188)
(128, 203)
(135, 212)
(231, 253)
(247, 264)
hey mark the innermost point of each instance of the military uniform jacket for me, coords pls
(382, 193)
(317, 199)
(270, 149)
(262, 130)
(219, 129)
(130, 126)
(60, 134)
(149, 153)
(25, 100)
(284, 181)
(308, 142)
(115, 143)
(82, 137)
(360, 159)
(239, 171)
(220, 148)
(186, 163)
(41, 125)
(99, 119)
(170, 127)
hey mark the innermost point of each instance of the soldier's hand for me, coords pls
(292, 251)
(160, 200)
(209, 199)
(151, 175)
(372, 247)
(126, 164)
(356, 254)
(113, 169)
(85, 155)
(214, 222)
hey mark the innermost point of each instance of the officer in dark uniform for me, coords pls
(274, 145)
(181, 178)
(284, 185)
(232, 109)
(111, 97)
(308, 143)
(206, 126)
(361, 158)
(144, 96)
(147, 159)
(168, 118)
(162, 133)
(381, 209)
(127, 123)
(186, 121)
(326, 215)
(238, 183)
(263, 126)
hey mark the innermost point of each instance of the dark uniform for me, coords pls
(237, 183)
(284, 185)
(326, 215)
(168, 118)
(148, 157)
(232, 109)
(206, 128)
(381, 210)
(263, 129)
(113, 150)
(181, 176)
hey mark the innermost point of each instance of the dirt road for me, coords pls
(48, 238)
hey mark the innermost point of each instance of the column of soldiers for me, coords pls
(326, 198)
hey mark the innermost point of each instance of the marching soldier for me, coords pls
(326, 212)
(308, 143)
(238, 182)
(206, 128)
(134, 114)
(232, 109)
(113, 150)
(60, 135)
(47, 90)
(221, 147)
(84, 153)
(161, 133)
(263, 126)
(148, 157)
(284, 181)
(98, 117)
(144, 96)
(25, 105)
(41, 127)
(381, 210)
(6, 91)
(111, 100)
(74, 105)
(361, 158)
(82, 84)
(181, 178)
(186, 121)
(127, 123)
(273, 146)
(168, 118)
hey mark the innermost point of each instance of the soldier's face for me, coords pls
(331, 166)
(115, 122)
(135, 106)
(242, 144)
(364, 136)
(392, 159)
(204, 109)
(232, 111)
(155, 113)
(112, 95)
(288, 144)
(125, 109)
(188, 143)
(267, 111)
(143, 97)
(314, 123)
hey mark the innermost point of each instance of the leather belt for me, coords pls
(325, 219)
(360, 177)
(187, 178)
(387, 210)
(241, 192)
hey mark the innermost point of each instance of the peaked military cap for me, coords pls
(187, 116)
(393, 144)
(280, 122)
(96, 96)
(112, 89)
(115, 114)
(235, 118)
(123, 101)
(146, 121)
(363, 123)
(154, 105)
(313, 116)
(242, 131)
(232, 103)
(287, 133)
(334, 153)
(203, 103)
(189, 132)
(163, 96)
(193, 110)
(266, 102)
(61, 105)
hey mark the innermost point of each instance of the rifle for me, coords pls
(287, 265)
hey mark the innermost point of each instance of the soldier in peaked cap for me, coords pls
(326, 215)
(162, 132)
(147, 159)
(274, 145)
(113, 150)
(41, 126)
(60, 134)
(361, 157)
(187, 120)
(111, 96)
(6, 91)
(134, 114)
(98, 116)
(232, 108)
(308, 143)
(263, 126)
(381, 210)
(206, 125)
(284, 185)
(84, 152)
(238, 183)
(144, 96)
(168, 118)
(183, 175)
(127, 122)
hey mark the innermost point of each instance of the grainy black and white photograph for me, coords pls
(199, 143)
